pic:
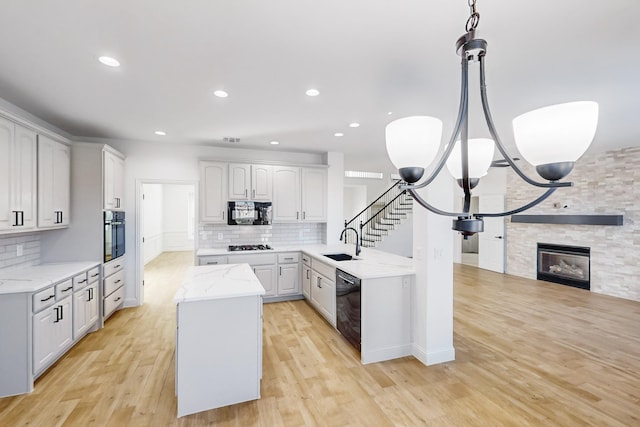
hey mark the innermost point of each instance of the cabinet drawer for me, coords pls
(44, 299)
(306, 260)
(80, 281)
(289, 257)
(113, 266)
(113, 282)
(64, 289)
(113, 301)
(324, 269)
(212, 260)
(93, 275)
(253, 259)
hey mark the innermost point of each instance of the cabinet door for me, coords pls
(64, 325)
(266, 274)
(92, 308)
(261, 182)
(286, 194)
(323, 296)
(239, 181)
(314, 194)
(80, 315)
(306, 281)
(213, 192)
(54, 168)
(44, 338)
(112, 180)
(7, 130)
(288, 279)
(25, 176)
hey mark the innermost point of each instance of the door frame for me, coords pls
(139, 223)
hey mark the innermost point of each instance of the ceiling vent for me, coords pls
(230, 139)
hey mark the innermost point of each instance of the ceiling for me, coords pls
(366, 58)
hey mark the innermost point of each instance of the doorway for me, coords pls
(166, 224)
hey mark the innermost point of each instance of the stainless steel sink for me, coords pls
(341, 257)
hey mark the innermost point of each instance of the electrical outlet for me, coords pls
(220, 236)
(19, 250)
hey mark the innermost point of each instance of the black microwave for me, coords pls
(249, 213)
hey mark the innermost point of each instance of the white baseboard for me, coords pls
(434, 357)
(385, 354)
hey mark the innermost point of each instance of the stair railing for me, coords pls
(385, 200)
(388, 209)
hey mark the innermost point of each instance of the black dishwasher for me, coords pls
(348, 307)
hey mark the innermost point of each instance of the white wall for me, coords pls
(335, 208)
(400, 240)
(355, 199)
(178, 215)
(152, 221)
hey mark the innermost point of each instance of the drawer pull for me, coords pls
(68, 289)
(95, 275)
(117, 299)
(47, 299)
(212, 262)
(289, 259)
(117, 281)
(117, 266)
(83, 281)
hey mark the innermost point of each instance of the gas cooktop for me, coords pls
(249, 247)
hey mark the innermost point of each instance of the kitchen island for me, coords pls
(218, 337)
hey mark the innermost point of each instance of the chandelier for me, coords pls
(552, 139)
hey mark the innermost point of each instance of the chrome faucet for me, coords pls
(357, 238)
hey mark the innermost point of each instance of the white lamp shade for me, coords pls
(480, 157)
(413, 141)
(558, 133)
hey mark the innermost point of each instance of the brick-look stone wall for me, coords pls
(604, 183)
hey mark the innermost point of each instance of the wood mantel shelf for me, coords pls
(569, 219)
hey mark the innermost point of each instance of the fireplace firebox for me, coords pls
(566, 265)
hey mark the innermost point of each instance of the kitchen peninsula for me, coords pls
(387, 283)
(219, 337)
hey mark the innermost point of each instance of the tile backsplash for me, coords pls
(222, 235)
(9, 259)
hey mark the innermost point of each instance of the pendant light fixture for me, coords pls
(551, 138)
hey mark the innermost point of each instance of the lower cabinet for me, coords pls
(112, 286)
(306, 276)
(322, 289)
(289, 273)
(52, 333)
(85, 309)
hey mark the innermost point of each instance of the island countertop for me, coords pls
(207, 282)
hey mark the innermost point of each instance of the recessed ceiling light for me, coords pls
(160, 132)
(274, 142)
(220, 93)
(338, 134)
(354, 125)
(313, 92)
(389, 113)
(109, 61)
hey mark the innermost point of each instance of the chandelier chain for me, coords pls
(474, 17)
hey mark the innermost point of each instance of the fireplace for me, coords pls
(567, 265)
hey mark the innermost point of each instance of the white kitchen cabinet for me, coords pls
(264, 267)
(18, 179)
(213, 192)
(323, 296)
(85, 309)
(212, 260)
(288, 274)
(266, 274)
(54, 183)
(113, 180)
(52, 333)
(299, 194)
(306, 276)
(112, 286)
(250, 182)
(314, 194)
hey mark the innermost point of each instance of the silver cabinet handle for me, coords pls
(246, 193)
(304, 215)
(281, 271)
(212, 262)
(308, 271)
(223, 215)
(254, 193)
(297, 215)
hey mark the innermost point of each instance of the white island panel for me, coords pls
(219, 338)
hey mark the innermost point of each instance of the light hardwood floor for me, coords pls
(527, 354)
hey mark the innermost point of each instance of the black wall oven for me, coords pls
(113, 235)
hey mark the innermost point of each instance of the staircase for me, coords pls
(382, 215)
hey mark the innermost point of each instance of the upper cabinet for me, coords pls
(18, 185)
(250, 182)
(213, 192)
(54, 173)
(300, 194)
(113, 180)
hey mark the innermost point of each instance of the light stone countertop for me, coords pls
(372, 264)
(207, 282)
(33, 279)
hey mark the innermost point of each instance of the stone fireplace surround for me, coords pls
(603, 184)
